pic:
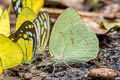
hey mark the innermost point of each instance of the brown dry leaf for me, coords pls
(5, 3)
(111, 8)
(11, 78)
(103, 72)
(77, 4)
(26, 75)
(94, 26)
(1, 77)
(37, 78)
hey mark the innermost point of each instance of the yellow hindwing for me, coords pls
(11, 54)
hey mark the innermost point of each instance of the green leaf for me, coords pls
(71, 40)
(112, 25)
(95, 1)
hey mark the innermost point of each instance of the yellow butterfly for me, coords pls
(4, 22)
(35, 5)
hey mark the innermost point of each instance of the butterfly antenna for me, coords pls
(67, 64)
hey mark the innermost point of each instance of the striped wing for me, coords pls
(42, 26)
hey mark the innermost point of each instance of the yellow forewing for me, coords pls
(26, 15)
(4, 23)
(10, 53)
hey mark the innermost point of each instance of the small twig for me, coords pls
(83, 13)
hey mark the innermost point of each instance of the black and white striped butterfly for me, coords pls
(35, 5)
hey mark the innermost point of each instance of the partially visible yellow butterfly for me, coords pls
(35, 5)
(4, 22)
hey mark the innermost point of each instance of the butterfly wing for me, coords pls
(4, 22)
(25, 37)
(35, 5)
(1, 11)
(10, 53)
(1, 68)
(26, 14)
(71, 40)
(42, 26)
